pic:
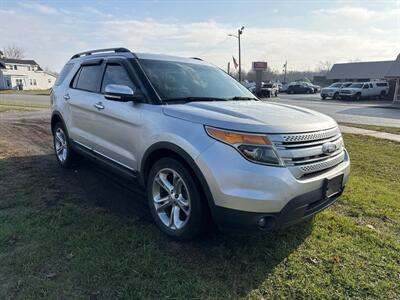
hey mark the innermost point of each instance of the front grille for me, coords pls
(302, 152)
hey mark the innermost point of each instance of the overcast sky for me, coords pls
(303, 32)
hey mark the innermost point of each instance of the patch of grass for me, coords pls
(57, 240)
(21, 106)
(394, 130)
(27, 92)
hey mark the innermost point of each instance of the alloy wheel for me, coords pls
(171, 199)
(60, 143)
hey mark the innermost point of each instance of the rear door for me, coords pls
(81, 98)
(118, 124)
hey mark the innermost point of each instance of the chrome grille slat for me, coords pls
(305, 137)
(302, 153)
(315, 143)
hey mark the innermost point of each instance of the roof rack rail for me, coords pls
(115, 50)
(197, 58)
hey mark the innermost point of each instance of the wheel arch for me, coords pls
(167, 149)
(55, 118)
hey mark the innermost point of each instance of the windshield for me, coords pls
(177, 80)
(336, 85)
(356, 85)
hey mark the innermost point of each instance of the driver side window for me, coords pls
(116, 74)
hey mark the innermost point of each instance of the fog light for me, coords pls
(262, 222)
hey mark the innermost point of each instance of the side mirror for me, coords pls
(121, 93)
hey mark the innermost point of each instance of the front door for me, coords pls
(118, 123)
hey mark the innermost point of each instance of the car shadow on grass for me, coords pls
(108, 232)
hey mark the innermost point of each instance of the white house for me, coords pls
(22, 74)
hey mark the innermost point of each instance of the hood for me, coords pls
(251, 116)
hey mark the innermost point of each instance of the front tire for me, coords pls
(65, 155)
(175, 200)
(336, 96)
(357, 97)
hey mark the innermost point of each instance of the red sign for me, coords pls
(260, 65)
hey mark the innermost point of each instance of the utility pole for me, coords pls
(284, 78)
(240, 32)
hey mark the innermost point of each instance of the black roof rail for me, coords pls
(198, 58)
(115, 50)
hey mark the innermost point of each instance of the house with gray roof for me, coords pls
(23, 74)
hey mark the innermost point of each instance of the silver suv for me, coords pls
(206, 150)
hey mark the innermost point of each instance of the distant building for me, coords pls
(367, 71)
(359, 71)
(22, 74)
(393, 75)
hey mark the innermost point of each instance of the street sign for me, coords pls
(260, 65)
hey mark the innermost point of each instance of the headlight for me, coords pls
(254, 147)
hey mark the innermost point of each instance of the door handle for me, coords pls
(67, 97)
(99, 106)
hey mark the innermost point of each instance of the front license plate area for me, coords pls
(333, 185)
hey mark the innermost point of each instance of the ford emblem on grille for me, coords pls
(328, 148)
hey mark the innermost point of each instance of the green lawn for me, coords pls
(27, 92)
(77, 234)
(21, 106)
(394, 130)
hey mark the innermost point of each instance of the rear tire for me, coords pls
(175, 200)
(323, 97)
(65, 155)
(382, 95)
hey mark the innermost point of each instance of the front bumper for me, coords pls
(242, 188)
(296, 210)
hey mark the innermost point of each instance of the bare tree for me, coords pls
(13, 51)
(324, 67)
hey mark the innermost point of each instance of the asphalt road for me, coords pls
(365, 112)
(372, 112)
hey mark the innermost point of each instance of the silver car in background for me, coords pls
(205, 149)
(333, 91)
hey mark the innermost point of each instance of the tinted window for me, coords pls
(381, 84)
(64, 72)
(116, 74)
(89, 78)
(356, 85)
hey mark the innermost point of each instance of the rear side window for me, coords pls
(382, 84)
(116, 74)
(88, 78)
(64, 72)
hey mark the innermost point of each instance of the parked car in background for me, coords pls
(206, 151)
(316, 88)
(250, 85)
(268, 90)
(300, 88)
(360, 90)
(285, 86)
(334, 89)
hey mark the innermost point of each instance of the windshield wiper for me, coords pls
(242, 98)
(193, 99)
